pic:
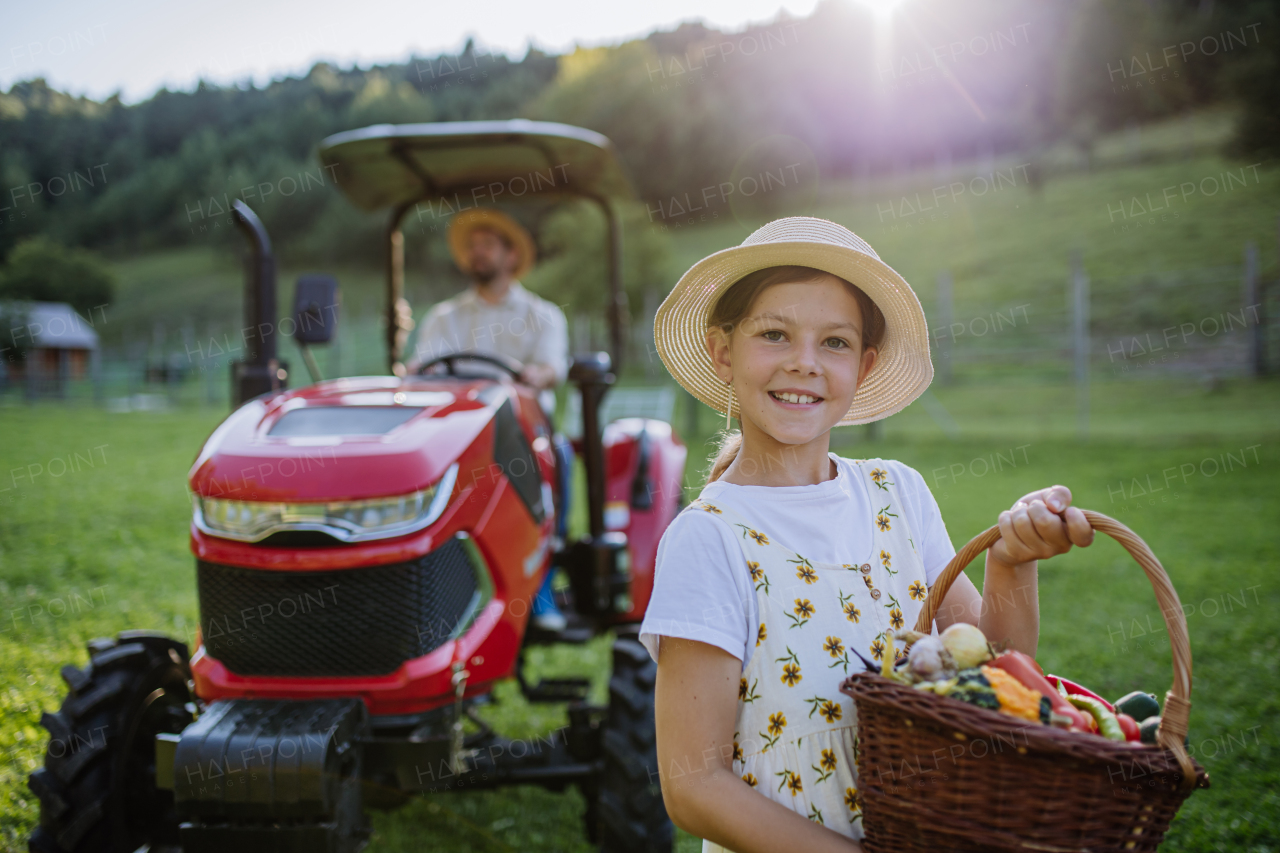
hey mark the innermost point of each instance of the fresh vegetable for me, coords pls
(1138, 705)
(1090, 725)
(909, 637)
(1015, 699)
(973, 687)
(938, 688)
(1108, 726)
(887, 660)
(1147, 730)
(1022, 667)
(1073, 689)
(889, 663)
(967, 645)
(960, 664)
(929, 660)
(1062, 721)
(871, 665)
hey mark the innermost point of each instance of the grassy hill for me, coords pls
(1008, 241)
(1004, 231)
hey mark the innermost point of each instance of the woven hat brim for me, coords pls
(903, 368)
(464, 223)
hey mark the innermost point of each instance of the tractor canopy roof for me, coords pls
(475, 163)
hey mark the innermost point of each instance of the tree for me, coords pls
(1256, 80)
(13, 347)
(40, 270)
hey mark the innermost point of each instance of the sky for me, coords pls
(135, 47)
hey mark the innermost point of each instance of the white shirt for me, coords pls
(523, 326)
(702, 590)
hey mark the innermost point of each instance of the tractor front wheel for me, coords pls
(97, 788)
(630, 812)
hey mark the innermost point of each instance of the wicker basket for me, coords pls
(937, 774)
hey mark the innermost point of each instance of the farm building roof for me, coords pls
(57, 325)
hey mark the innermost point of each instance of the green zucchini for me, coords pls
(1138, 705)
(1148, 728)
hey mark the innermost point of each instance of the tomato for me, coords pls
(1129, 726)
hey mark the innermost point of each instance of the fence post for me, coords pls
(1256, 365)
(1080, 338)
(691, 406)
(945, 351)
(95, 374)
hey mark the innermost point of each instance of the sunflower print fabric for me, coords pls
(817, 622)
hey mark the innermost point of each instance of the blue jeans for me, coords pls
(544, 601)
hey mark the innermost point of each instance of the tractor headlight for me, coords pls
(347, 521)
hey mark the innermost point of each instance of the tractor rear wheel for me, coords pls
(630, 813)
(97, 787)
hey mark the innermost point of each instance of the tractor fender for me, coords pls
(644, 489)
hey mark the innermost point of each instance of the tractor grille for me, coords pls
(338, 623)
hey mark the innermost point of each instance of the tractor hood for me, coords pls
(342, 440)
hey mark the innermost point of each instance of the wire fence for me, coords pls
(1210, 323)
(1207, 322)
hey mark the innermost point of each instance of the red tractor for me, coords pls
(366, 552)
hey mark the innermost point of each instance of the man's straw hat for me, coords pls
(902, 371)
(491, 220)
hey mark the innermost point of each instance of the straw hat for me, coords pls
(902, 370)
(491, 220)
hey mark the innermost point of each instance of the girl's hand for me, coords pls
(1040, 525)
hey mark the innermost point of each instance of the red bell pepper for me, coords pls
(1076, 690)
(1129, 726)
(1023, 667)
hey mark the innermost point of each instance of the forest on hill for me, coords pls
(837, 92)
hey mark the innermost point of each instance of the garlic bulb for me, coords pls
(929, 660)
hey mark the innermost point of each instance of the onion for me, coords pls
(967, 645)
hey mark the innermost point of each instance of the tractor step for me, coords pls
(559, 690)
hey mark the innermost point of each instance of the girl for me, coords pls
(792, 559)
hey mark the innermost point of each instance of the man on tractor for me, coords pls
(496, 314)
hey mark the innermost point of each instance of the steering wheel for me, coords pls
(508, 364)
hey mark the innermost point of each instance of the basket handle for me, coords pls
(1177, 702)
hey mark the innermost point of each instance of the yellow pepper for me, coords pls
(1015, 699)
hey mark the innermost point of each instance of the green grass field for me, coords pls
(102, 548)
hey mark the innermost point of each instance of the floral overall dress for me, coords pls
(795, 736)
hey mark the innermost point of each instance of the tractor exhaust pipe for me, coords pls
(260, 371)
(598, 569)
(593, 375)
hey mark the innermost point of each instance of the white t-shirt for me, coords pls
(702, 590)
(523, 325)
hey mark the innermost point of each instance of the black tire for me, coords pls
(97, 787)
(630, 812)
